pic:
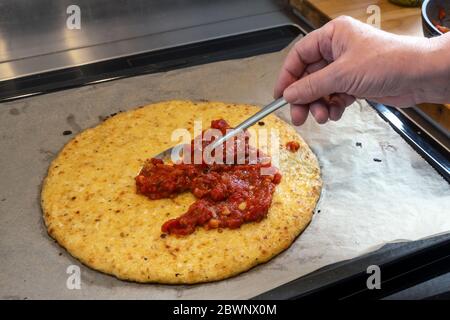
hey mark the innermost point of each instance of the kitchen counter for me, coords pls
(394, 18)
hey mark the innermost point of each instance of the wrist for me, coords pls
(433, 71)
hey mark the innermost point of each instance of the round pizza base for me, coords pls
(91, 207)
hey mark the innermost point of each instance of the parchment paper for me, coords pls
(364, 203)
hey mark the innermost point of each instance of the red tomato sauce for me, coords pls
(293, 146)
(228, 195)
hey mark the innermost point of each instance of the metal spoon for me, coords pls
(174, 152)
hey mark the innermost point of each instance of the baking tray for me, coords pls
(404, 266)
(341, 275)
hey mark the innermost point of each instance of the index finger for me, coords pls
(314, 47)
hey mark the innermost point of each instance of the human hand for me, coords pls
(346, 59)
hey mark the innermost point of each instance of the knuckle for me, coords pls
(309, 88)
(344, 23)
(340, 75)
(344, 19)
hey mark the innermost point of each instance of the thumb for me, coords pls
(313, 86)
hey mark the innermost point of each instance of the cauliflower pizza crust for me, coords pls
(91, 207)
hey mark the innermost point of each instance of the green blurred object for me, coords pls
(407, 3)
